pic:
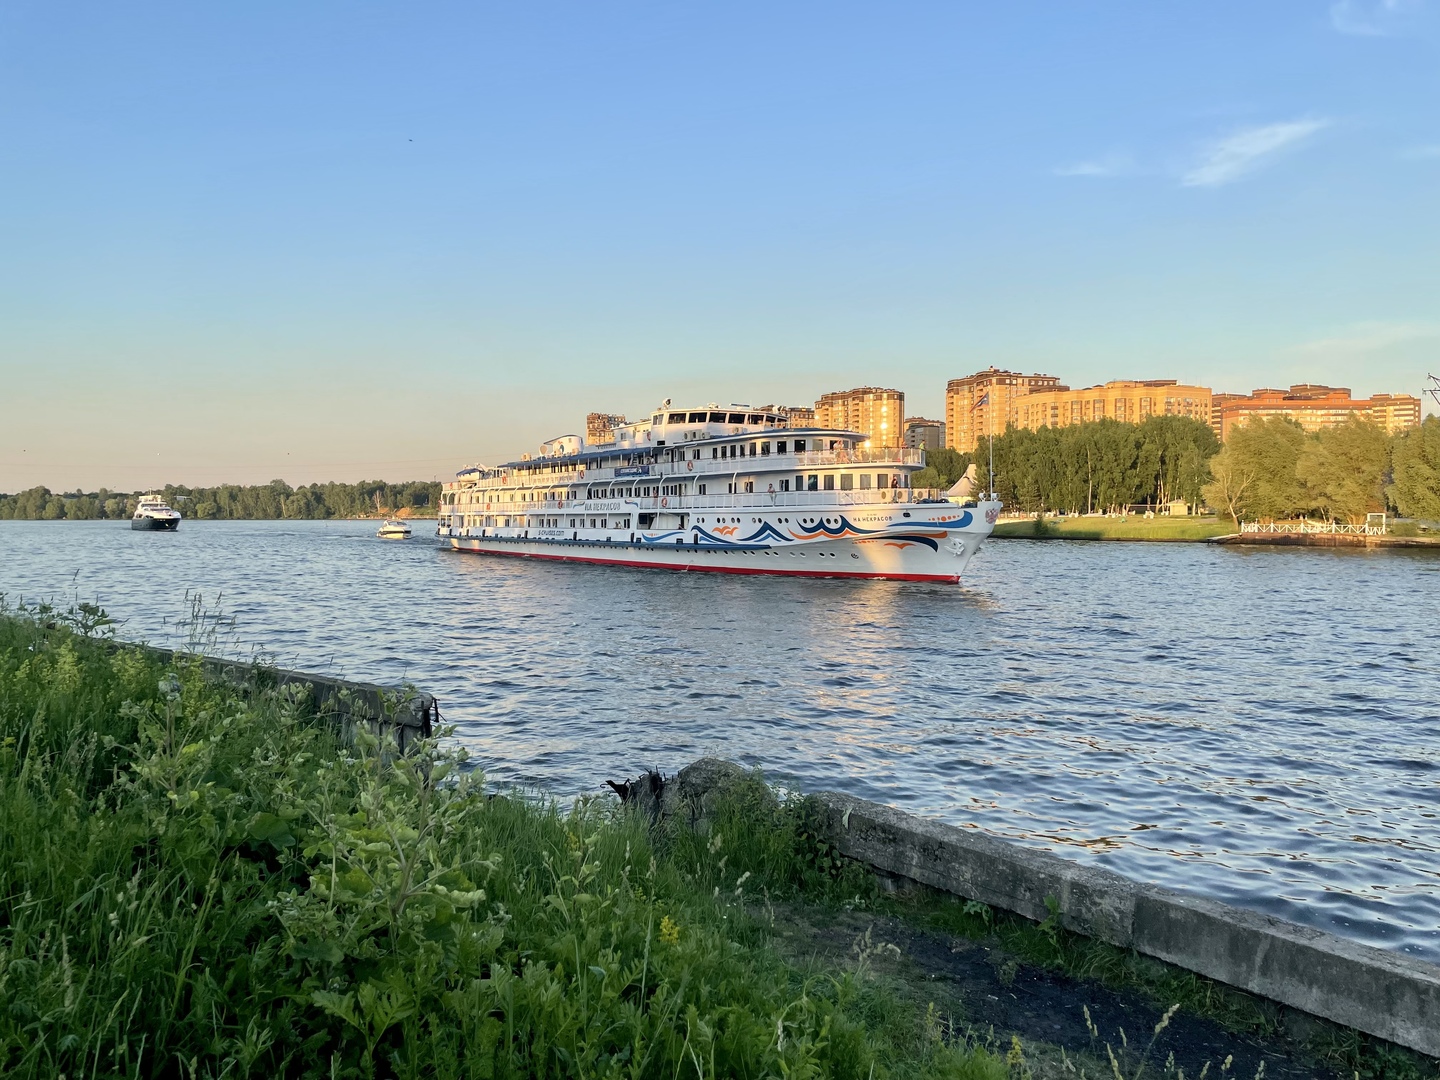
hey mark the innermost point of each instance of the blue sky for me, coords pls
(328, 241)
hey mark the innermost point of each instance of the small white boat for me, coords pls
(394, 530)
(154, 515)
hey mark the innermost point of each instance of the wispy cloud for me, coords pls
(1228, 159)
(1369, 337)
(1372, 18)
(1109, 165)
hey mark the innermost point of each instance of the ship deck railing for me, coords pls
(690, 504)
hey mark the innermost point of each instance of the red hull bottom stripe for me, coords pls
(944, 579)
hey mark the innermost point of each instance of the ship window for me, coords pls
(754, 418)
(814, 483)
(702, 489)
(784, 485)
(749, 487)
(864, 481)
(717, 418)
(753, 447)
(676, 418)
(765, 448)
(714, 451)
(736, 418)
(780, 447)
(829, 481)
(847, 481)
(697, 418)
(799, 445)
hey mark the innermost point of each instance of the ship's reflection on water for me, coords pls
(1261, 726)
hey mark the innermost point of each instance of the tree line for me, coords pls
(1102, 465)
(1270, 469)
(277, 499)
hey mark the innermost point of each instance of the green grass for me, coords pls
(1130, 528)
(201, 880)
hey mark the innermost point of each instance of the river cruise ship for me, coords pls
(724, 489)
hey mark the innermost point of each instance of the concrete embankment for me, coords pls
(1372, 990)
(1327, 540)
(383, 711)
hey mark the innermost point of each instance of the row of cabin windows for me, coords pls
(720, 418)
(763, 448)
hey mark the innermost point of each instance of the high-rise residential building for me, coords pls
(798, 416)
(922, 434)
(1128, 400)
(983, 404)
(876, 413)
(1316, 407)
(600, 427)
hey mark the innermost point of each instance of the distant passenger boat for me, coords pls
(731, 490)
(394, 530)
(153, 515)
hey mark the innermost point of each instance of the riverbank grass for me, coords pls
(199, 879)
(1133, 527)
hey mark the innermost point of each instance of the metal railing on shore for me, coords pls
(1314, 528)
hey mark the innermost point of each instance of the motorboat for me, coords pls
(153, 514)
(394, 530)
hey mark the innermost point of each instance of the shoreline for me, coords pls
(1188, 531)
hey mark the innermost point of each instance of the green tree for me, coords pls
(1233, 482)
(1268, 451)
(1342, 470)
(1415, 471)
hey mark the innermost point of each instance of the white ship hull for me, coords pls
(913, 542)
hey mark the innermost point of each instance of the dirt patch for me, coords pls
(993, 995)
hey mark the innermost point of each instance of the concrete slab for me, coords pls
(1382, 993)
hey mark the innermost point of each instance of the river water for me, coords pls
(1258, 725)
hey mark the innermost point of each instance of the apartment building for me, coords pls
(600, 427)
(877, 413)
(983, 404)
(1129, 400)
(1315, 407)
(922, 434)
(798, 416)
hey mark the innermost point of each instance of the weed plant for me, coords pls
(199, 879)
